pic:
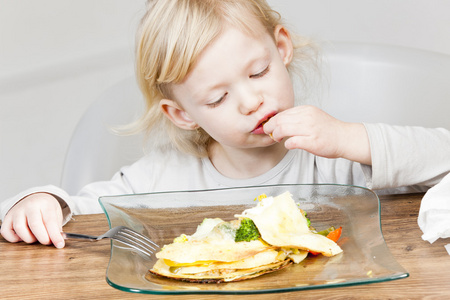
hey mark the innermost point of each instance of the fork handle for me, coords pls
(79, 236)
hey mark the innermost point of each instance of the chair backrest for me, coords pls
(370, 83)
(95, 153)
(388, 84)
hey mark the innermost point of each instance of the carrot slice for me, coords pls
(335, 234)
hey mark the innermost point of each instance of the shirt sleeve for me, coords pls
(153, 172)
(408, 156)
(59, 194)
(85, 202)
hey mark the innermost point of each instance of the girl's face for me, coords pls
(237, 83)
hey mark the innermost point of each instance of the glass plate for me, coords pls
(164, 216)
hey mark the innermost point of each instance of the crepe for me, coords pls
(212, 253)
(216, 272)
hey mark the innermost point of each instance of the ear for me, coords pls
(283, 42)
(177, 115)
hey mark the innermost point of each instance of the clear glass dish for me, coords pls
(164, 216)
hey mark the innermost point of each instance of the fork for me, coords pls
(124, 235)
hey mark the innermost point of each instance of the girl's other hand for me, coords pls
(311, 129)
(37, 217)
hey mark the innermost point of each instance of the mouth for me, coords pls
(259, 128)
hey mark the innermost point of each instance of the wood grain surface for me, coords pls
(78, 271)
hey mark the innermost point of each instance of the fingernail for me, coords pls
(59, 245)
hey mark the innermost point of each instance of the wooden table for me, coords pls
(78, 271)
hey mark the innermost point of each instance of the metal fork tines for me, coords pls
(123, 235)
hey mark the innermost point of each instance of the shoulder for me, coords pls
(161, 170)
(165, 159)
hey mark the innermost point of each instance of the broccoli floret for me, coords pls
(308, 221)
(247, 231)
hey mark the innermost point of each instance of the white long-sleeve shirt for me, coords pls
(404, 159)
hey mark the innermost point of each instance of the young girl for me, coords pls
(216, 78)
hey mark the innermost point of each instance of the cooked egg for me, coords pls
(281, 223)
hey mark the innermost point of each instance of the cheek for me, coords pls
(288, 91)
(285, 96)
(223, 129)
(209, 122)
(283, 87)
(218, 126)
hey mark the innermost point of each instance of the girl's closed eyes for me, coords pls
(253, 76)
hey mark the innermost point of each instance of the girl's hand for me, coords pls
(37, 217)
(311, 129)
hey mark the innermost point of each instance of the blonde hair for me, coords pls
(171, 36)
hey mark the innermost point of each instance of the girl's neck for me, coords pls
(245, 163)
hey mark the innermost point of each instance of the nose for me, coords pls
(250, 102)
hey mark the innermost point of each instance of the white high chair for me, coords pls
(388, 84)
(95, 153)
(370, 83)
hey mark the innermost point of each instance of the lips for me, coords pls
(259, 128)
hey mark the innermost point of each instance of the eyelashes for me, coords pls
(218, 102)
(262, 73)
(253, 76)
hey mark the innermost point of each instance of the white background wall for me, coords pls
(57, 56)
